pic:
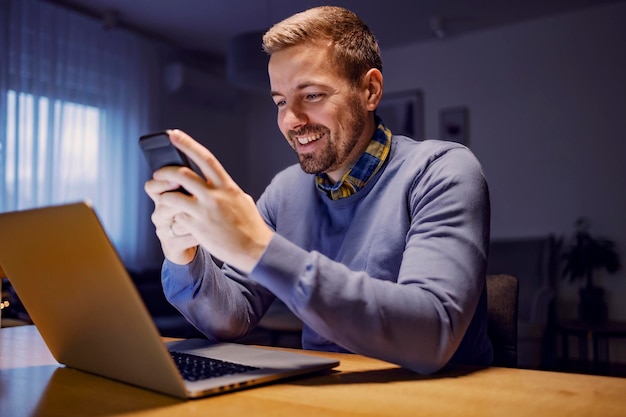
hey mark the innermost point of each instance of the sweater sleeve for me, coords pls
(219, 302)
(420, 320)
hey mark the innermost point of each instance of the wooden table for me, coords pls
(33, 384)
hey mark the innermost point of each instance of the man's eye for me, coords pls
(314, 96)
(280, 103)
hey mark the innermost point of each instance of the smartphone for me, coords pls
(159, 152)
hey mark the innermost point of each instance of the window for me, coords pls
(51, 148)
(74, 100)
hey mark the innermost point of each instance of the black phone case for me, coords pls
(159, 152)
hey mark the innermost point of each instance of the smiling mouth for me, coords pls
(305, 140)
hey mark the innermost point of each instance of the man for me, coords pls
(376, 242)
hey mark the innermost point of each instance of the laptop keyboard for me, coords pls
(196, 368)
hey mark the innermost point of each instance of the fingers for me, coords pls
(177, 242)
(202, 157)
(173, 229)
(155, 188)
(179, 249)
(166, 207)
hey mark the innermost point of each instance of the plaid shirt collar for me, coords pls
(365, 168)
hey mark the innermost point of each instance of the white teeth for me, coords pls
(309, 139)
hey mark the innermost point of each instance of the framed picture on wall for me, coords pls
(454, 125)
(403, 113)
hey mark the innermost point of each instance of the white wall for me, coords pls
(547, 120)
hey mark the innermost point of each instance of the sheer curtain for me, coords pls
(74, 98)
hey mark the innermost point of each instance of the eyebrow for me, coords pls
(299, 87)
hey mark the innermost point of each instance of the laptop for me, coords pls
(77, 292)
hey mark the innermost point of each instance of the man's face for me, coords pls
(320, 114)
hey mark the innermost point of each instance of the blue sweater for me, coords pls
(395, 272)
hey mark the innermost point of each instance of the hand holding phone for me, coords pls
(159, 152)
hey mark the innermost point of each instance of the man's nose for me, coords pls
(295, 117)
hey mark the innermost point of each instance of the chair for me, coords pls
(534, 261)
(502, 299)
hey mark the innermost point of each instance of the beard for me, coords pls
(340, 144)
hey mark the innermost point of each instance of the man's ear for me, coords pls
(373, 82)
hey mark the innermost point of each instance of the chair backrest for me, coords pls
(535, 262)
(502, 296)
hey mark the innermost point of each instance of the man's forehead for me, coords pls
(299, 67)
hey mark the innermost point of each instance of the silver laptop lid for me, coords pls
(87, 309)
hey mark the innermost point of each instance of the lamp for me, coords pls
(246, 62)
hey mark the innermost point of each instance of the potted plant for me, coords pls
(583, 257)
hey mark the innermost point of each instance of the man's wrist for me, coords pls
(182, 258)
(257, 249)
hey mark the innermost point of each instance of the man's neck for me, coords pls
(363, 170)
(356, 153)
